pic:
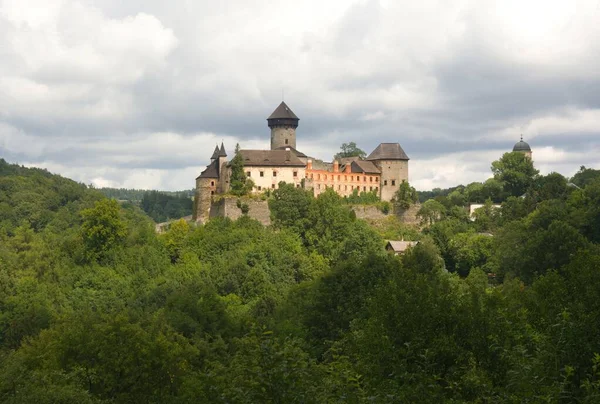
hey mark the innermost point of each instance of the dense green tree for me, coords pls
(350, 150)
(239, 183)
(405, 196)
(516, 173)
(102, 228)
(431, 211)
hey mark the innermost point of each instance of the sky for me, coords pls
(137, 93)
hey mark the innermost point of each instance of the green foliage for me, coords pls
(102, 228)
(240, 184)
(362, 198)
(350, 150)
(161, 206)
(405, 196)
(431, 211)
(96, 308)
(516, 173)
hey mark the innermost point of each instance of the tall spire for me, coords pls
(222, 152)
(215, 154)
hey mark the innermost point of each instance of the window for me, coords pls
(345, 178)
(345, 187)
(286, 141)
(259, 188)
(370, 179)
(318, 176)
(247, 173)
(297, 185)
(212, 192)
(365, 189)
(339, 177)
(370, 188)
(376, 188)
(212, 183)
(318, 186)
(339, 187)
(364, 179)
(384, 182)
(262, 173)
(393, 182)
(273, 186)
(352, 186)
(295, 173)
(274, 173)
(351, 178)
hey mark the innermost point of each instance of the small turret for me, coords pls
(215, 154)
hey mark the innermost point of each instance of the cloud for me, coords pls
(138, 92)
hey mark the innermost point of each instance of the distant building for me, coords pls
(399, 247)
(382, 171)
(523, 147)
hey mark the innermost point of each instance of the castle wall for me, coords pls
(369, 212)
(393, 172)
(227, 207)
(282, 134)
(270, 181)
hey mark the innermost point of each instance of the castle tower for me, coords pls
(393, 163)
(523, 147)
(283, 123)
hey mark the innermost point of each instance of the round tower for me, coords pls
(283, 123)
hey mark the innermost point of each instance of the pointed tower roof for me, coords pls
(215, 154)
(388, 151)
(283, 112)
(222, 152)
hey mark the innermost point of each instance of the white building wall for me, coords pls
(269, 181)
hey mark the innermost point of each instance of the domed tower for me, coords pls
(523, 147)
(283, 123)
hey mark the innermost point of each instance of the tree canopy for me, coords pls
(350, 150)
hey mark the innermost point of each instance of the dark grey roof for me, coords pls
(215, 153)
(298, 153)
(400, 246)
(271, 158)
(388, 151)
(222, 151)
(521, 146)
(283, 112)
(364, 166)
(211, 171)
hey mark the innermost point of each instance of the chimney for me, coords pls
(336, 166)
(309, 164)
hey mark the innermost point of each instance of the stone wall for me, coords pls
(409, 216)
(227, 207)
(368, 212)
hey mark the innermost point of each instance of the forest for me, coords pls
(159, 205)
(502, 307)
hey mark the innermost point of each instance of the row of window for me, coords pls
(273, 186)
(339, 177)
(339, 187)
(262, 173)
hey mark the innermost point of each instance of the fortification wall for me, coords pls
(369, 212)
(227, 207)
(409, 216)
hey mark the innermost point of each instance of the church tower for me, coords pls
(523, 147)
(283, 123)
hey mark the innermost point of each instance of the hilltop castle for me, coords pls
(382, 171)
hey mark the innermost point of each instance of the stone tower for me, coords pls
(523, 147)
(283, 123)
(393, 163)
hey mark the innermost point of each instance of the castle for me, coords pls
(382, 171)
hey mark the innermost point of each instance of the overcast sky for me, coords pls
(136, 93)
